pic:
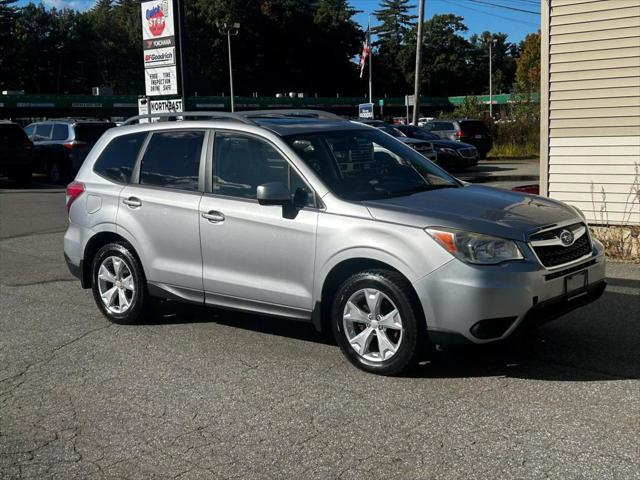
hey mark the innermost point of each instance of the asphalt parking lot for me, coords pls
(213, 394)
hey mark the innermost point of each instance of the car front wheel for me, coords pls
(377, 323)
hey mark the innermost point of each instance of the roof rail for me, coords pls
(291, 112)
(210, 115)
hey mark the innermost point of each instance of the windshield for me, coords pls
(367, 164)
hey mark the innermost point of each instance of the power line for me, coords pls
(491, 14)
(505, 6)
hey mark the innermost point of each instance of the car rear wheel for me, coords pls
(56, 172)
(377, 323)
(118, 284)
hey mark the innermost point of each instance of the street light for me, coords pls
(228, 30)
(491, 43)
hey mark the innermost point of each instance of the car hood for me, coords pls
(450, 144)
(487, 210)
(411, 141)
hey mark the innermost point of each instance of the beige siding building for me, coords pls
(590, 106)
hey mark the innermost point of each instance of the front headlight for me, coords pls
(474, 247)
(450, 151)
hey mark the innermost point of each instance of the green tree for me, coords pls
(528, 65)
(394, 35)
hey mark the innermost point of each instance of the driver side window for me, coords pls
(241, 163)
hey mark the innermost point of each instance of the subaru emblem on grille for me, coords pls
(566, 237)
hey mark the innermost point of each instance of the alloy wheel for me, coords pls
(372, 325)
(116, 284)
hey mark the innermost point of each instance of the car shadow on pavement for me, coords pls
(37, 185)
(599, 342)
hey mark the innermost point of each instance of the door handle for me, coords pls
(214, 216)
(132, 202)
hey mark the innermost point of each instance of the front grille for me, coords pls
(553, 255)
(468, 152)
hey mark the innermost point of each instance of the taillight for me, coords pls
(28, 145)
(460, 134)
(74, 190)
(73, 144)
(533, 189)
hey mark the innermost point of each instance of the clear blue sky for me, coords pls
(479, 15)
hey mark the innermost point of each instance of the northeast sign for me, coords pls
(365, 110)
(161, 81)
(173, 105)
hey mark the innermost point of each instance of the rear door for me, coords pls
(159, 209)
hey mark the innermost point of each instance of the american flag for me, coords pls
(366, 52)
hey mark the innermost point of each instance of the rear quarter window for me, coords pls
(91, 132)
(117, 160)
(60, 132)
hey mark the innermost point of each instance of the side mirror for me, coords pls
(273, 193)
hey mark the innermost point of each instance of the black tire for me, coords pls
(400, 292)
(140, 301)
(57, 171)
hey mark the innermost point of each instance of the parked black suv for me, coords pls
(474, 132)
(61, 145)
(453, 156)
(15, 153)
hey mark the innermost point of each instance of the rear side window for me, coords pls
(117, 160)
(60, 132)
(172, 160)
(90, 132)
(43, 132)
(11, 135)
(473, 126)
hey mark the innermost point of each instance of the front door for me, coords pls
(160, 211)
(256, 256)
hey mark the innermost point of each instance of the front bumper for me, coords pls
(480, 304)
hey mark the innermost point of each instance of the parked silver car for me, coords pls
(309, 216)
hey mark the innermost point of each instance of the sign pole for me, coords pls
(183, 92)
(370, 62)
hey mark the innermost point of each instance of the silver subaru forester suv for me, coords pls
(305, 215)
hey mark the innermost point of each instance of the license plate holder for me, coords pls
(478, 136)
(576, 284)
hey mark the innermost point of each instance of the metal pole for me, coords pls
(180, 9)
(233, 108)
(490, 79)
(370, 62)
(416, 90)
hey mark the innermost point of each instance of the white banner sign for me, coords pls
(160, 57)
(166, 106)
(161, 81)
(157, 19)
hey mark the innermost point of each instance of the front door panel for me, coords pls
(258, 254)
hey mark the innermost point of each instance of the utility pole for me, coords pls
(228, 30)
(416, 90)
(491, 43)
(370, 62)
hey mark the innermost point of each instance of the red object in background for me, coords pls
(533, 189)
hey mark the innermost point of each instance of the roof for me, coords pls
(284, 126)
